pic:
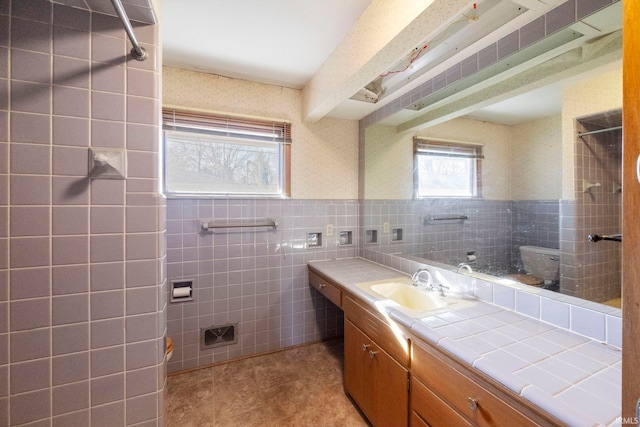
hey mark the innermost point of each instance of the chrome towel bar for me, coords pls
(211, 225)
(432, 219)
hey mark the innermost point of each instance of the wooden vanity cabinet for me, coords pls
(446, 394)
(375, 380)
(327, 288)
(397, 379)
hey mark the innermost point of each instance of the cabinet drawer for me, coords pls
(416, 421)
(333, 293)
(465, 395)
(379, 330)
(432, 409)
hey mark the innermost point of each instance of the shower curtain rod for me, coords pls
(580, 135)
(138, 51)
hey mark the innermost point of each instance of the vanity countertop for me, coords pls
(574, 378)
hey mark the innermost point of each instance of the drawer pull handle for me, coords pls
(372, 354)
(472, 403)
(365, 347)
(321, 285)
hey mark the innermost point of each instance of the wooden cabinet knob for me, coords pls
(365, 347)
(372, 354)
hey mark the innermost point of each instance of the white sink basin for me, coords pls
(410, 296)
(401, 295)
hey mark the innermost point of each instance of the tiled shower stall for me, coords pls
(82, 296)
(593, 270)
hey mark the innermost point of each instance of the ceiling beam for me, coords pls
(383, 35)
(601, 52)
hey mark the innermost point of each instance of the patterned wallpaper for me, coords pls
(536, 159)
(324, 154)
(595, 95)
(397, 150)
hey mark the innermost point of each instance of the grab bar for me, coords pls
(597, 237)
(269, 222)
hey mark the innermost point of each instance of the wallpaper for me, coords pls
(324, 155)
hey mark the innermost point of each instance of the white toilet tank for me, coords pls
(541, 262)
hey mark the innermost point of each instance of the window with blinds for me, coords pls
(446, 169)
(219, 155)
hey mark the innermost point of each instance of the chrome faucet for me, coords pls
(415, 279)
(464, 266)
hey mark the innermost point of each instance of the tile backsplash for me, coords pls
(254, 276)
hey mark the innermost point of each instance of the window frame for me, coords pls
(229, 129)
(448, 148)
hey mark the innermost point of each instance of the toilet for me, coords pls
(541, 264)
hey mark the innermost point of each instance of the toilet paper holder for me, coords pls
(181, 290)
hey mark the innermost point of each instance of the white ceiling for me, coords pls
(523, 108)
(281, 42)
(285, 42)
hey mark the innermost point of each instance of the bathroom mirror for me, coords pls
(549, 177)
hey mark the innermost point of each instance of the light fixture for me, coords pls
(472, 26)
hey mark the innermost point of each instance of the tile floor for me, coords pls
(297, 387)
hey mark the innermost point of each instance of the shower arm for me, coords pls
(597, 237)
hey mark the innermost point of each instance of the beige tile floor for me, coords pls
(296, 387)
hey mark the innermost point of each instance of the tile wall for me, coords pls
(255, 277)
(593, 270)
(493, 231)
(534, 223)
(81, 301)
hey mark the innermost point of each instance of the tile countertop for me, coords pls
(574, 378)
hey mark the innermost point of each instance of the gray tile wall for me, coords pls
(593, 270)
(494, 229)
(81, 302)
(534, 223)
(255, 277)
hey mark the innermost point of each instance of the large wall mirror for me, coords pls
(549, 176)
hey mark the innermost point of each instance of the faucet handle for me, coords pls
(441, 288)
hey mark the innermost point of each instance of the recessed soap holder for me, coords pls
(346, 238)
(314, 240)
(396, 235)
(370, 237)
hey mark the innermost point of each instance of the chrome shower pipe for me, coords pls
(597, 237)
(137, 52)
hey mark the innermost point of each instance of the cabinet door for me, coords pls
(376, 382)
(357, 375)
(389, 390)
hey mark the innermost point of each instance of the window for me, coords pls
(225, 156)
(446, 169)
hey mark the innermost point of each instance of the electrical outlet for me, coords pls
(329, 229)
(385, 227)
